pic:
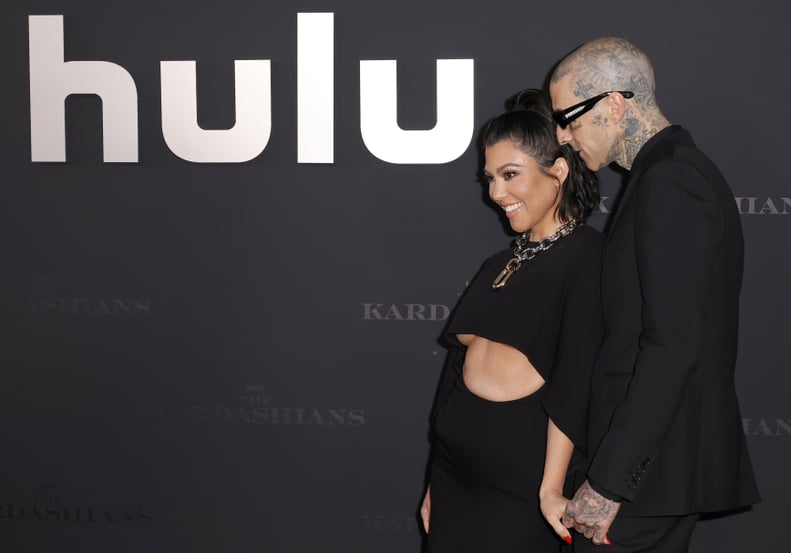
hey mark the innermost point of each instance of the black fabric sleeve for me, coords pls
(604, 493)
(567, 393)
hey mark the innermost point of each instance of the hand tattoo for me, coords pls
(590, 513)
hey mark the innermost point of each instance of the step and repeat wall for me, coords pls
(232, 233)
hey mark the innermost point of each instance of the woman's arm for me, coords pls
(550, 493)
(425, 509)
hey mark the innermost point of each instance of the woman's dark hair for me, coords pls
(528, 124)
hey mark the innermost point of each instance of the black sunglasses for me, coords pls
(565, 116)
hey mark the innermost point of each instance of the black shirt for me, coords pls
(550, 310)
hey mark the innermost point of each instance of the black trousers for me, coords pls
(643, 535)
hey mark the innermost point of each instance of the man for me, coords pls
(665, 431)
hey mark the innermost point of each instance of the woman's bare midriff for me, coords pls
(497, 372)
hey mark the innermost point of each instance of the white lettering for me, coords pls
(315, 88)
(379, 114)
(52, 79)
(244, 141)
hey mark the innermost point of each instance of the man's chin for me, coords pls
(591, 166)
(595, 166)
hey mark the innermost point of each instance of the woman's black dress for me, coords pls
(488, 457)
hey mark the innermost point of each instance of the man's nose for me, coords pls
(564, 136)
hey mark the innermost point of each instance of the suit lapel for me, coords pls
(657, 147)
(629, 187)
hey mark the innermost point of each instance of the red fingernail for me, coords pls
(607, 540)
(567, 539)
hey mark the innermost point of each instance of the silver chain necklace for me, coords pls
(523, 252)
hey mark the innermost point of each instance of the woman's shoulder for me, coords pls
(587, 239)
(585, 246)
(589, 235)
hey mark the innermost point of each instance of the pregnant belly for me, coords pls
(497, 371)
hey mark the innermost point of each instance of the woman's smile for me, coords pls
(511, 209)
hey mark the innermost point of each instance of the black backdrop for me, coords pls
(228, 356)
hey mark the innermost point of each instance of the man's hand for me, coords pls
(591, 514)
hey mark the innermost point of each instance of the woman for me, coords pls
(511, 405)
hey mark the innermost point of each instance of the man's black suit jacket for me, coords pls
(664, 411)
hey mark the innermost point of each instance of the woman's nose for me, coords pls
(497, 189)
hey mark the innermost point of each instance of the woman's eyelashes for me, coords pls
(507, 175)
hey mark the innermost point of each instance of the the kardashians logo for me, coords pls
(754, 205)
(255, 406)
(48, 505)
(404, 312)
(764, 205)
(767, 427)
(43, 298)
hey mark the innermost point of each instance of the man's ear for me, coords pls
(616, 104)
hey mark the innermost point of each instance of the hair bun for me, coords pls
(529, 99)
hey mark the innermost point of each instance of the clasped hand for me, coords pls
(591, 514)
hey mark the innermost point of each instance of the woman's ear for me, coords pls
(560, 170)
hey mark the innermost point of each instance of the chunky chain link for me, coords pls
(523, 252)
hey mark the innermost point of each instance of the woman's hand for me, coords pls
(425, 509)
(553, 507)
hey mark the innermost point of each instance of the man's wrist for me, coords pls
(604, 493)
